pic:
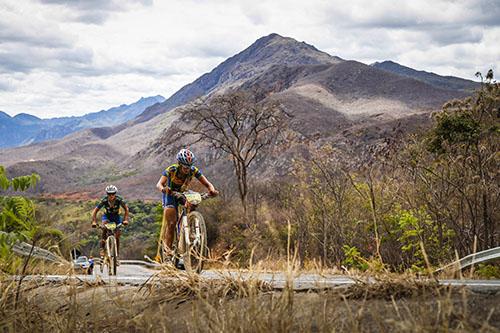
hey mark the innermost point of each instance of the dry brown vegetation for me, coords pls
(396, 203)
(392, 204)
(175, 301)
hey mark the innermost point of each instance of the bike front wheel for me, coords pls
(197, 252)
(112, 255)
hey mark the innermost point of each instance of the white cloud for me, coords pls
(62, 57)
(94, 11)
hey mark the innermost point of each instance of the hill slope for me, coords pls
(255, 60)
(330, 100)
(443, 82)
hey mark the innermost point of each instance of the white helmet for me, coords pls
(186, 157)
(111, 189)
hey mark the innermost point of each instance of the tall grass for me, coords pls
(175, 301)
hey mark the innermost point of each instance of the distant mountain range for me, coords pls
(332, 101)
(24, 129)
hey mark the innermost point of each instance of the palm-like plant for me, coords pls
(17, 217)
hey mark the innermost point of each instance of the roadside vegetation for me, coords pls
(191, 304)
(410, 202)
(395, 210)
(73, 219)
(18, 223)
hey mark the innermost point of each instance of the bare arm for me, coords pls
(161, 184)
(94, 215)
(125, 216)
(208, 185)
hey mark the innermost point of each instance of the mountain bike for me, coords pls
(111, 251)
(189, 247)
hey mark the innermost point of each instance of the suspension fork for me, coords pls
(108, 245)
(197, 232)
(185, 227)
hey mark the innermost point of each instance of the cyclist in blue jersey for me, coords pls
(111, 203)
(177, 178)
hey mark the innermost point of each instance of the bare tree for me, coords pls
(240, 126)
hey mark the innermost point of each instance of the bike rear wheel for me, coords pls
(195, 255)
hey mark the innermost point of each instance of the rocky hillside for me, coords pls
(442, 82)
(24, 129)
(330, 100)
(255, 60)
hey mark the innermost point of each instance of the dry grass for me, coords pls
(176, 301)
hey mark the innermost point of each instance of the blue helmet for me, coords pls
(186, 157)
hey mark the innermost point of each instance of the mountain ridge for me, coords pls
(439, 81)
(24, 129)
(343, 103)
(241, 66)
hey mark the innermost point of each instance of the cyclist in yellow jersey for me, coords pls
(177, 178)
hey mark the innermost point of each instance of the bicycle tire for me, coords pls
(115, 264)
(111, 248)
(194, 257)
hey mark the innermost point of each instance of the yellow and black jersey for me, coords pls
(177, 180)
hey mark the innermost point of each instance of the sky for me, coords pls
(68, 58)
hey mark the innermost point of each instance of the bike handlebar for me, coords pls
(101, 226)
(178, 195)
(181, 195)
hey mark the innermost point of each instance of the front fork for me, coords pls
(185, 227)
(197, 232)
(108, 247)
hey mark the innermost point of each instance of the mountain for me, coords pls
(26, 119)
(443, 82)
(343, 103)
(121, 114)
(24, 129)
(253, 61)
(15, 130)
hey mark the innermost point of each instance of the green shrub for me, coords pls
(353, 258)
(488, 271)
